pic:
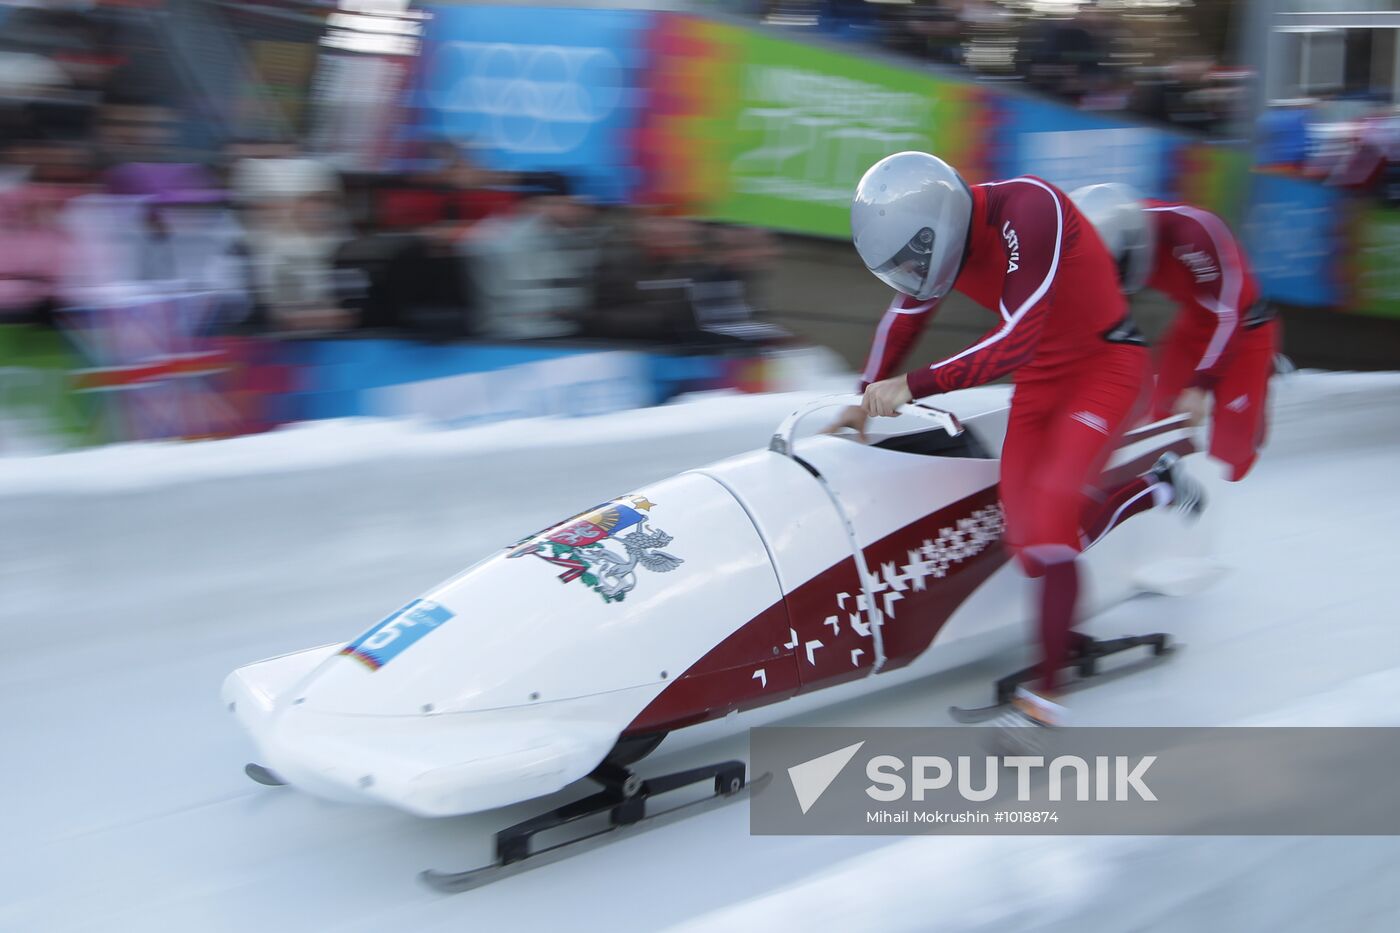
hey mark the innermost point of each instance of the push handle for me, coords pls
(782, 437)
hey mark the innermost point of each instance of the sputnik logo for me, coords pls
(811, 778)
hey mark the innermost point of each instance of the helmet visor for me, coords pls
(907, 271)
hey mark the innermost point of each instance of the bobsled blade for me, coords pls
(969, 715)
(455, 882)
(262, 775)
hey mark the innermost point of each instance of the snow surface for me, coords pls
(136, 577)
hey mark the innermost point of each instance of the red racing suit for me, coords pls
(1079, 379)
(1223, 338)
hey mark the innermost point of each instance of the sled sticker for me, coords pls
(392, 635)
(579, 547)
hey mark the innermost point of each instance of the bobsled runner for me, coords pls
(724, 597)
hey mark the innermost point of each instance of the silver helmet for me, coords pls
(909, 222)
(1116, 211)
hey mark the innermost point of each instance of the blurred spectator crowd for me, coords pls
(458, 250)
(1351, 142)
(104, 203)
(287, 244)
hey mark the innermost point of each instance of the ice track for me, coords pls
(135, 578)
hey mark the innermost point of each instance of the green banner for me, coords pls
(803, 123)
(39, 411)
(1375, 273)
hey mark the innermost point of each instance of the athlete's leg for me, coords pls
(1132, 498)
(1099, 403)
(1053, 543)
(1059, 598)
(1025, 436)
(1240, 421)
(1032, 408)
(1175, 371)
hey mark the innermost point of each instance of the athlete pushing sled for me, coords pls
(1081, 372)
(1224, 337)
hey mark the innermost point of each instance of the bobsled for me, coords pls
(730, 594)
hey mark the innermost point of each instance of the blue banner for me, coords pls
(1070, 149)
(1293, 238)
(539, 89)
(394, 378)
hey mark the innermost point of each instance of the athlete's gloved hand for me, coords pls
(853, 417)
(884, 398)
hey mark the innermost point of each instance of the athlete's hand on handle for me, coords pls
(883, 399)
(853, 417)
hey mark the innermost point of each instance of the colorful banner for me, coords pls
(536, 89)
(733, 124)
(690, 88)
(779, 132)
(142, 371)
(1213, 177)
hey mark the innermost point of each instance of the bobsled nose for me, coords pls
(433, 765)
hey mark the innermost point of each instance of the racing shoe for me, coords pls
(1187, 495)
(1025, 726)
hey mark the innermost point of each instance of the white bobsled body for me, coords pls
(725, 589)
